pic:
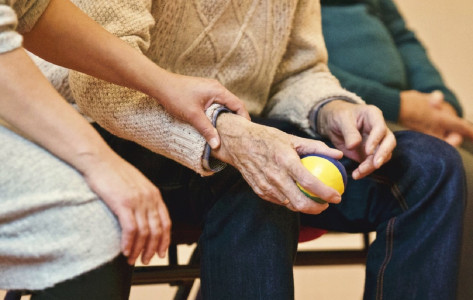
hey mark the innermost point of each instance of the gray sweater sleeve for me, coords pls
(17, 17)
(9, 38)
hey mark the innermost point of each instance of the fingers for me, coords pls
(459, 126)
(154, 231)
(153, 240)
(141, 236)
(385, 149)
(436, 98)
(374, 161)
(203, 125)
(347, 125)
(381, 155)
(146, 226)
(128, 225)
(166, 230)
(233, 103)
(378, 130)
(136, 202)
(454, 139)
(380, 142)
(306, 147)
(282, 188)
(160, 234)
(152, 234)
(312, 184)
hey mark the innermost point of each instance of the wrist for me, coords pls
(314, 120)
(324, 113)
(87, 159)
(211, 161)
(221, 124)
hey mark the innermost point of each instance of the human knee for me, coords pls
(429, 154)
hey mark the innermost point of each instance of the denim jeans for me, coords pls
(415, 203)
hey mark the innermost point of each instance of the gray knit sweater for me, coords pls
(52, 226)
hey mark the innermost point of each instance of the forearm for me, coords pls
(136, 117)
(90, 49)
(422, 74)
(32, 106)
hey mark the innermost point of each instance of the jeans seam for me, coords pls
(387, 259)
(394, 190)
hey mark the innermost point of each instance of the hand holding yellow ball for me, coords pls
(328, 170)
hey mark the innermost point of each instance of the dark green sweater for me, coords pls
(373, 54)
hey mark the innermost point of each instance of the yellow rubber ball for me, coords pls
(328, 170)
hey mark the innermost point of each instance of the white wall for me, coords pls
(446, 29)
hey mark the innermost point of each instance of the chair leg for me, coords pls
(184, 290)
(13, 295)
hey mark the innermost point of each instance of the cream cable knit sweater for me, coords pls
(271, 54)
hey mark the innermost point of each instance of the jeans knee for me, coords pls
(429, 154)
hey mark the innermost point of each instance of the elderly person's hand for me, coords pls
(360, 132)
(269, 160)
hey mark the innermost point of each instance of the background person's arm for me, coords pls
(423, 76)
(422, 107)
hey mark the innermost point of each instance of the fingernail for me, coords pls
(336, 199)
(355, 175)
(379, 162)
(213, 143)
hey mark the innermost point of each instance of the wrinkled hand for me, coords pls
(187, 98)
(360, 132)
(136, 202)
(269, 160)
(431, 114)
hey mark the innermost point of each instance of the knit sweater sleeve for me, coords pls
(125, 112)
(9, 38)
(303, 80)
(422, 74)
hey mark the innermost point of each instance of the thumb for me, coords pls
(436, 98)
(454, 139)
(207, 130)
